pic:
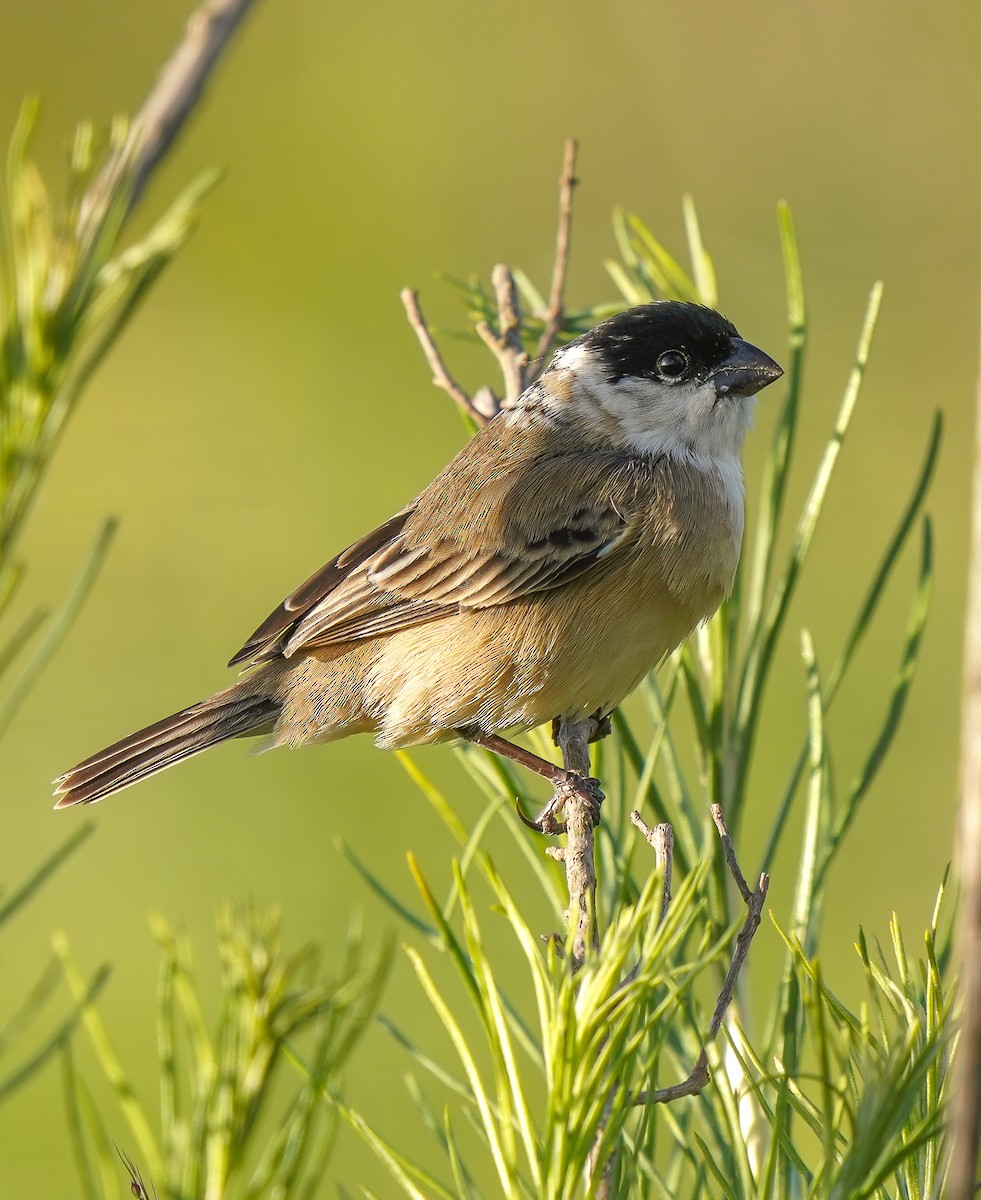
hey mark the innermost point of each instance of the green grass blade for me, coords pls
(16, 899)
(20, 638)
(500, 786)
(489, 1119)
(185, 993)
(703, 270)
(171, 1116)
(375, 884)
(103, 1151)
(862, 623)
(905, 527)
(718, 1174)
(429, 1064)
(433, 795)
(85, 996)
(406, 1174)
(461, 1177)
(777, 467)
(59, 627)
(98, 1035)
(30, 1006)
(670, 280)
(803, 922)
(76, 1134)
(628, 287)
(510, 1088)
(756, 671)
(897, 701)
(470, 851)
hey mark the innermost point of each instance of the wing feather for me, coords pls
(268, 640)
(514, 535)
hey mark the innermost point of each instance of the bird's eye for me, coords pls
(672, 364)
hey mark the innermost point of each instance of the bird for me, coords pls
(565, 551)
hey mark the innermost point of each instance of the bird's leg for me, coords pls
(599, 728)
(565, 782)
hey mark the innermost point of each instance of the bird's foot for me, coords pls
(599, 727)
(572, 787)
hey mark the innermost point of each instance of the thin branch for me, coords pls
(514, 361)
(441, 376)
(505, 344)
(966, 1093)
(696, 1082)
(753, 917)
(661, 841)
(175, 95)
(560, 267)
(578, 855)
(731, 863)
(700, 1076)
(508, 308)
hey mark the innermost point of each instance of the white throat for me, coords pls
(655, 418)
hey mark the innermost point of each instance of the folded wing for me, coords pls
(504, 537)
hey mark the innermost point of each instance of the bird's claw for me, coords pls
(587, 789)
(545, 822)
(584, 787)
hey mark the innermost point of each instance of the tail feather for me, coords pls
(164, 743)
(180, 725)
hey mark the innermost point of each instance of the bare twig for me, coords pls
(509, 310)
(174, 97)
(744, 938)
(966, 1092)
(696, 1082)
(515, 364)
(579, 855)
(661, 840)
(699, 1076)
(731, 863)
(441, 376)
(506, 345)
(560, 268)
(506, 342)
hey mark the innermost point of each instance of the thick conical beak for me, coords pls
(746, 371)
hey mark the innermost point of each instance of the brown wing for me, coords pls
(269, 639)
(499, 536)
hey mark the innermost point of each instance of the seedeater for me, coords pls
(571, 545)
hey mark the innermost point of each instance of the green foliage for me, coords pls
(22, 1023)
(828, 1101)
(68, 288)
(67, 291)
(544, 1097)
(595, 1034)
(874, 1103)
(853, 1110)
(228, 1126)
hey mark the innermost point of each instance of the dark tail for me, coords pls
(227, 715)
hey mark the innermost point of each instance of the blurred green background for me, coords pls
(269, 404)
